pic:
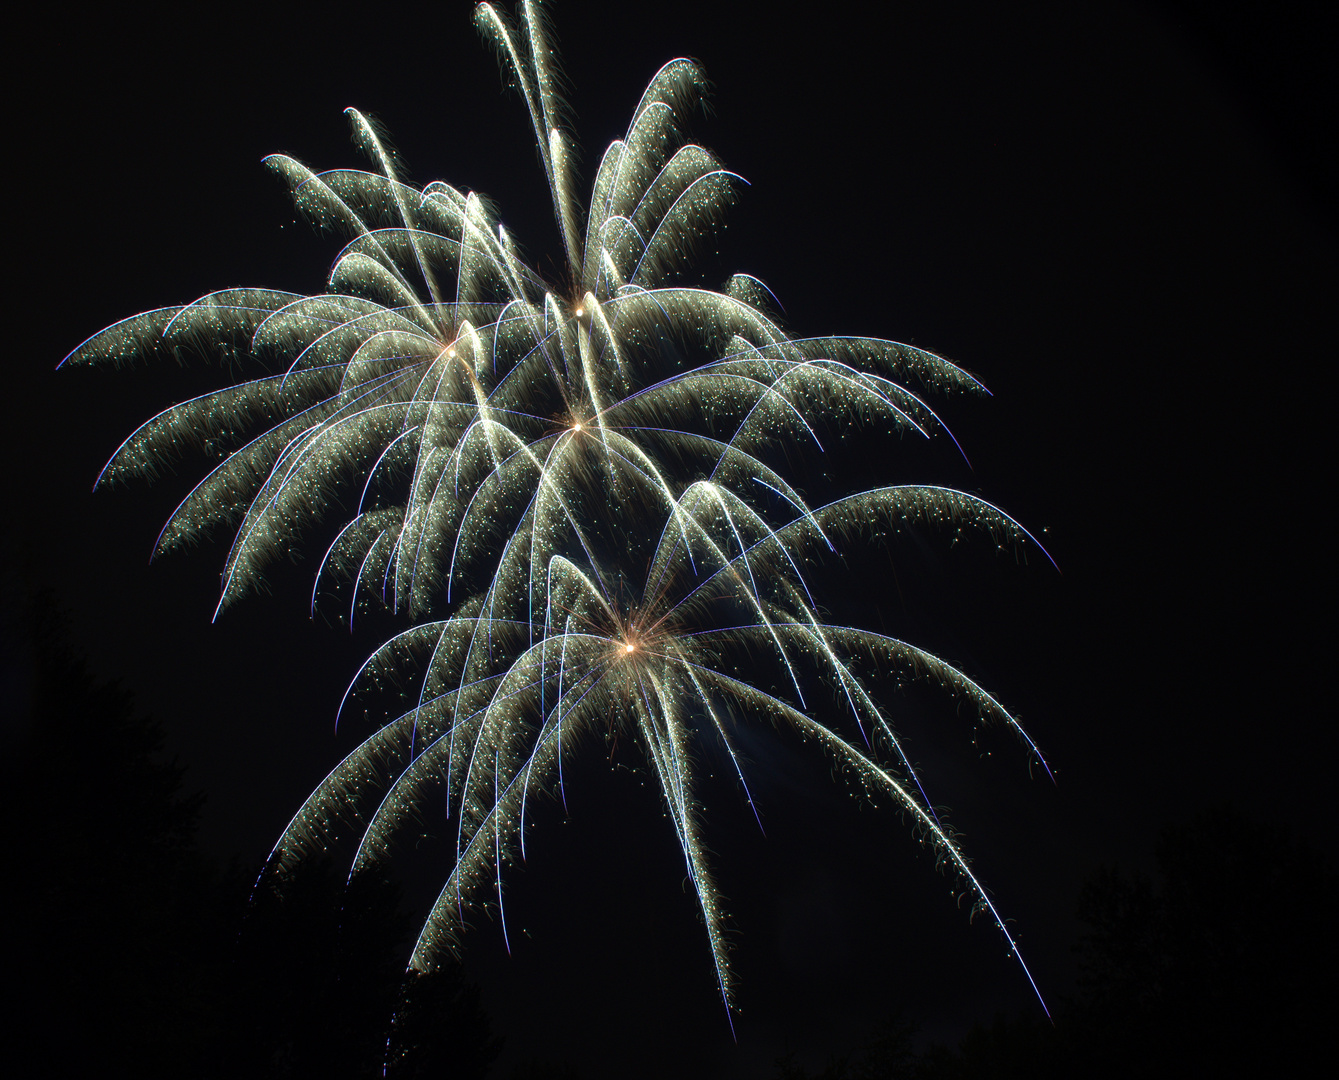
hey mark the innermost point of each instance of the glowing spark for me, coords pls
(436, 376)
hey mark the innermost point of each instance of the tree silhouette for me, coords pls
(320, 990)
(110, 913)
(131, 954)
(1220, 965)
(888, 1055)
(1225, 963)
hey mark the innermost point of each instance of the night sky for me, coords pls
(1115, 217)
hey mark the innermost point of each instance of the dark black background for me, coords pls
(1116, 215)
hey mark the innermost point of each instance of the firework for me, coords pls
(575, 493)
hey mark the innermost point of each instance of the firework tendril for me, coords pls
(563, 488)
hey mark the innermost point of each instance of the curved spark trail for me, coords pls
(576, 491)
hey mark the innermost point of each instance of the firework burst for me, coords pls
(575, 492)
